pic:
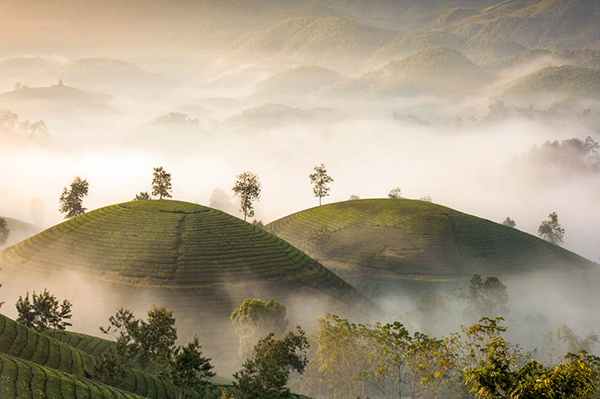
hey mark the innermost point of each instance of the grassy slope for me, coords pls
(29, 345)
(381, 245)
(21, 379)
(546, 23)
(19, 230)
(567, 80)
(434, 70)
(198, 261)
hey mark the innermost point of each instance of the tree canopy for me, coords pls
(71, 199)
(320, 181)
(161, 183)
(255, 319)
(247, 187)
(43, 312)
(551, 230)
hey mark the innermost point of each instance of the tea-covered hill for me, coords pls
(387, 247)
(19, 230)
(566, 81)
(431, 71)
(198, 261)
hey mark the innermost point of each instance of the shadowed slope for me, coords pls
(391, 246)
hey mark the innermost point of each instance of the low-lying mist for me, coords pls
(481, 169)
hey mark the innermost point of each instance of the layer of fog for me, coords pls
(473, 169)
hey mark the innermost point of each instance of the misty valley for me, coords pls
(319, 199)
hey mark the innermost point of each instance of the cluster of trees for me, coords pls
(549, 230)
(151, 346)
(11, 126)
(574, 154)
(385, 360)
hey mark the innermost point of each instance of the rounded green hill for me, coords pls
(398, 246)
(196, 260)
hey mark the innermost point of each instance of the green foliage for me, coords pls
(551, 230)
(53, 350)
(247, 187)
(188, 369)
(4, 231)
(109, 368)
(495, 369)
(142, 196)
(146, 343)
(255, 319)
(320, 181)
(161, 183)
(44, 312)
(20, 379)
(265, 375)
(71, 200)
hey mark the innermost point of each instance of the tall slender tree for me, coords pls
(320, 181)
(71, 199)
(161, 183)
(247, 187)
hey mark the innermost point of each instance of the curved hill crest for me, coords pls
(401, 246)
(200, 262)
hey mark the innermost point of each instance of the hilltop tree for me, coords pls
(142, 196)
(71, 199)
(255, 319)
(265, 375)
(4, 231)
(551, 230)
(509, 222)
(161, 183)
(395, 193)
(320, 181)
(43, 312)
(188, 369)
(247, 187)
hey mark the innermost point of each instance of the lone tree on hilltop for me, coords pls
(551, 231)
(395, 193)
(43, 312)
(509, 222)
(320, 181)
(161, 183)
(247, 187)
(4, 231)
(71, 199)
